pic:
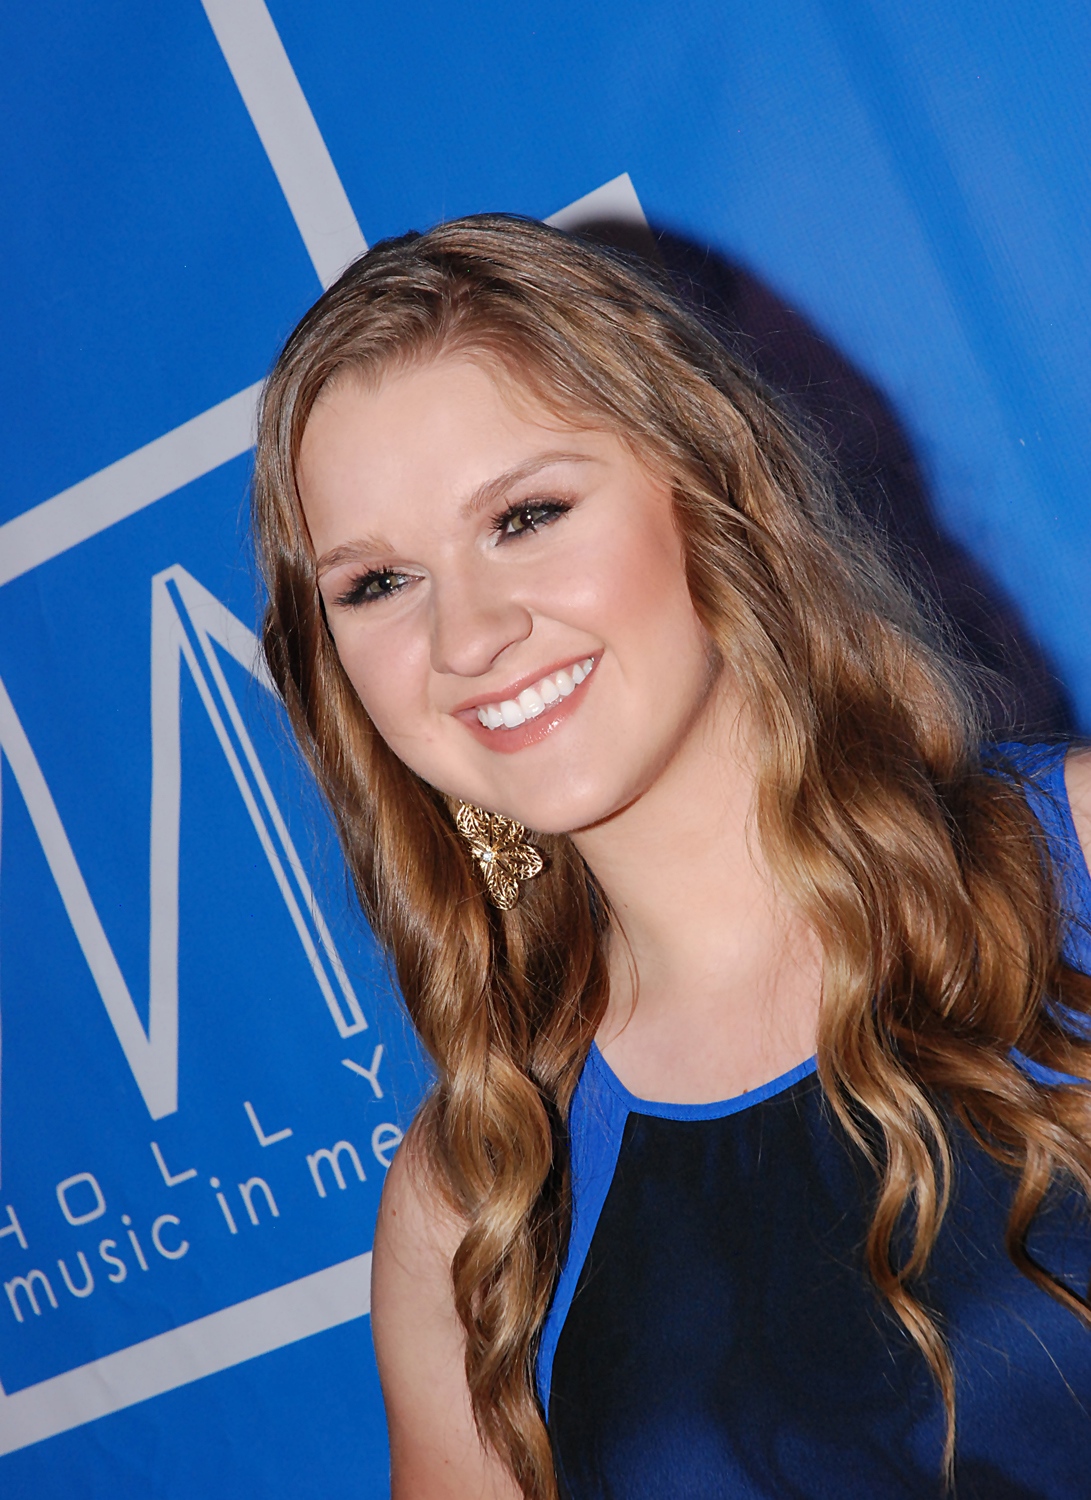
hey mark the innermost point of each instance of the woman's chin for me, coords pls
(568, 813)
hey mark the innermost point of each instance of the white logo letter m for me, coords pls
(187, 622)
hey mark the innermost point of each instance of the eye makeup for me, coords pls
(525, 518)
(369, 587)
(529, 516)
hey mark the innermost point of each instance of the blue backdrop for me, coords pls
(204, 1067)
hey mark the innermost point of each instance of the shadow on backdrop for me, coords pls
(872, 450)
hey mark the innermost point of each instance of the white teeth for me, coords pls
(531, 703)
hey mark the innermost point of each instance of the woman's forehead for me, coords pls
(518, 378)
(441, 441)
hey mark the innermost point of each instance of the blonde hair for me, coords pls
(924, 872)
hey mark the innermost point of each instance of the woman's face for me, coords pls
(506, 592)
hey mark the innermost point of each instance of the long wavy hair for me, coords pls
(923, 871)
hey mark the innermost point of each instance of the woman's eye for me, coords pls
(371, 586)
(529, 517)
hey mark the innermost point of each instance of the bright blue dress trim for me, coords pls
(595, 1127)
(714, 1111)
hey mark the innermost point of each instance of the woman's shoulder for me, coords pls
(1057, 781)
(419, 1343)
(1077, 775)
(416, 1237)
(413, 1208)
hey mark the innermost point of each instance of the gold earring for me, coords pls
(501, 850)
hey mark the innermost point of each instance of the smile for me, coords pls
(532, 701)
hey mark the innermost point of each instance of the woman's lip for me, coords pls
(532, 731)
(513, 689)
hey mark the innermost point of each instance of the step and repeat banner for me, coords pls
(205, 1070)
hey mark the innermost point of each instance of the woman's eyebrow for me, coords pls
(494, 489)
(369, 546)
(485, 495)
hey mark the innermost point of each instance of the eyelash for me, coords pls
(357, 591)
(552, 510)
(541, 513)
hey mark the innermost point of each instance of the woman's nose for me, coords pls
(473, 621)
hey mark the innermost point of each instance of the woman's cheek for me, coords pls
(396, 703)
(359, 667)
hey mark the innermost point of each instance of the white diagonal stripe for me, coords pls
(122, 488)
(615, 200)
(155, 1073)
(222, 1339)
(288, 131)
(217, 435)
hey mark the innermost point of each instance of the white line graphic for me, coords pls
(1, 974)
(288, 131)
(121, 489)
(205, 442)
(323, 215)
(144, 1053)
(178, 602)
(186, 620)
(615, 201)
(216, 1342)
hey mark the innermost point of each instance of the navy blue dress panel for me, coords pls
(715, 1333)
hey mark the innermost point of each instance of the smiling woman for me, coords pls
(504, 552)
(757, 1059)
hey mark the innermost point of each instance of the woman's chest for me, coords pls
(723, 1337)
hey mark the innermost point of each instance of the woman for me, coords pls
(750, 1168)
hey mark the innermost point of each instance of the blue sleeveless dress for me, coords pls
(715, 1334)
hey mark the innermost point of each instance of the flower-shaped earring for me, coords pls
(501, 850)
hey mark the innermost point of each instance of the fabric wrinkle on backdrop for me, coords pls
(204, 1066)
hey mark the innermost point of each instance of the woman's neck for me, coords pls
(715, 980)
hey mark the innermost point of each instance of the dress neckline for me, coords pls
(716, 1110)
